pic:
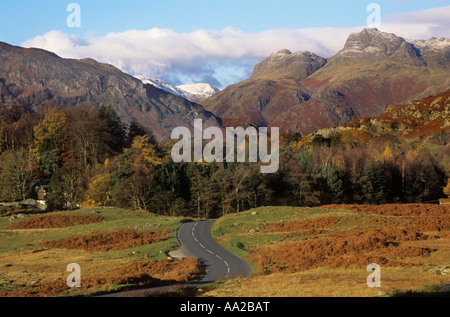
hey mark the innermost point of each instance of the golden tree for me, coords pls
(447, 189)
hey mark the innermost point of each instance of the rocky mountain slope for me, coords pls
(274, 86)
(302, 92)
(34, 76)
(421, 119)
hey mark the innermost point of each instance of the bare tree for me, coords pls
(17, 174)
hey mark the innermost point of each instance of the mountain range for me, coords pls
(34, 76)
(298, 92)
(303, 92)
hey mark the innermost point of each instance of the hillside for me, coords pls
(117, 249)
(302, 92)
(325, 251)
(34, 76)
(417, 119)
(273, 87)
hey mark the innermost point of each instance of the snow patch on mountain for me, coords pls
(202, 91)
(433, 44)
(193, 93)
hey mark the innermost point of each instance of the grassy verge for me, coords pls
(269, 236)
(24, 262)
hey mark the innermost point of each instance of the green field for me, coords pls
(24, 261)
(247, 234)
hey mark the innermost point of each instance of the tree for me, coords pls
(16, 175)
(374, 184)
(135, 129)
(172, 187)
(49, 140)
(334, 179)
(88, 137)
(147, 153)
(259, 192)
(238, 175)
(116, 128)
(67, 187)
(447, 188)
(205, 190)
(137, 190)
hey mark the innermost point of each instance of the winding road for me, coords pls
(196, 241)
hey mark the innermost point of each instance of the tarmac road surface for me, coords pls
(196, 241)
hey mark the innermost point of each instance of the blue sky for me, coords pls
(22, 20)
(205, 27)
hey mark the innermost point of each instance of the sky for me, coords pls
(214, 41)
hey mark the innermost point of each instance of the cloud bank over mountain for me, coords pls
(222, 57)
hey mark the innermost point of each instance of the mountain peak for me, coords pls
(297, 65)
(284, 51)
(34, 77)
(373, 44)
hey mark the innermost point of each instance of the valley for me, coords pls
(88, 176)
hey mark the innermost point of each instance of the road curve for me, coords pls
(196, 241)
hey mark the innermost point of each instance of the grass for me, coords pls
(24, 261)
(233, 231)
(326, 282)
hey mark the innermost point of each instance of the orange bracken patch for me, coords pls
(109, 241)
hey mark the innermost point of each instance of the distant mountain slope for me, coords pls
(302, 92)
(198, 92)
(417, 119)
(194, 92)
(273, 87)
(33, 76)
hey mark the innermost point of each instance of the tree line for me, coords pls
(90, 157)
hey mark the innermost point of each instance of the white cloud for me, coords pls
(420, 25)
(213, 55)
(222, 57)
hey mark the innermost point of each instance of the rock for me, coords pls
(445, 270)
(254, 213)
(18, 216)
(446, 288)
(440, 270)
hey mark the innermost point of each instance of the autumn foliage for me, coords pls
(144, 274)
(109, 241)
(383, 240)
(447, 189)
(55, 221)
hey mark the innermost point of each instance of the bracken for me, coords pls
(109, 241)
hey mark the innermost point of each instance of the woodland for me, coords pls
(88, 157)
